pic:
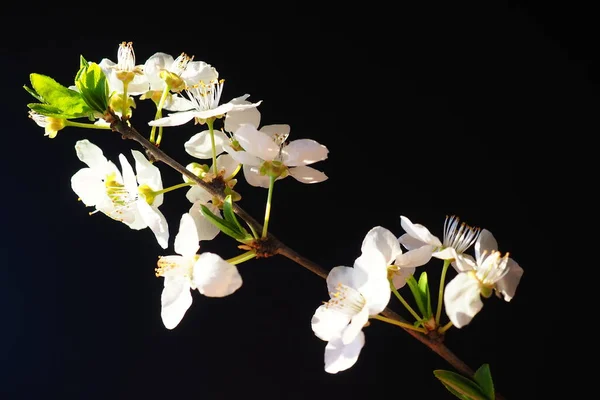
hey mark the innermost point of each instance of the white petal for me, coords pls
(257, 143)
(340, 276)
(449, 253)
(90, 154)
(399, 278)
(327, 323)
(370, 277)
(227, 163)
(205, 229)
(383, 241)
(243, 157)
(153, 66)
(200, 145)
(174, 119)
(462, 299)
(186, 240)
(156, 222)
(276, 129)
(418, 231)
(507, 286)
(177, 103)
(410, 243)
(306, 174)
(254, 178)
(128, 176)
(89, 186)
(175, 301)
(353, 329)
(485, 243)
(234, 119)
(139, 85)
(340, 357)
(197, 71)
(148, 174)
(303, 152)
(464, 263)
(215, 277)
(198, 193)
(415, 258)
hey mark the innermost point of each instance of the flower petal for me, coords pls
(243, 157)
(156, 222)
(89, 186)
(415, 258)
(198, 71)
(175, 119)
(234, 119)
(327, 323)
(215, 277)
(177, 103)
(383, 241)
(90, 154)
(464, 263)
(409, 242)
(507, 286)
(462, 299)
(485, 243)
(276, 129)
(227, 164)
(254, 178)
(401, 275)
(205, 230)
(340, 357)
(449, 253)
(186, 240)
(175, 301)
(148, 174)
(198, 193)
(370, 277)
(340, 276)
(303, 152)
(306, 174)
(257, 143)
(152, 67)
(418, 231)
(353, 329)
(128, 177)
(200, 145)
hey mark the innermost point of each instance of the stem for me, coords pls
(438, 312)
(124, 108)
(241, 258)
(398, 323)
(234, 173)
(158, 114)
(174, 187)
(209, 123)
(445, 327)
(88, 126)
(404, 302)
(430, 340)
(268, 207)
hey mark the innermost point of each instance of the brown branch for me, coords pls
(431, 340)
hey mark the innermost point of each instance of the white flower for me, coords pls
(480, 277)
(205, 98)
(125, 70)
(180, 73)
(200, 145)
(51, 125)
(267, 145)
(422, 245)
(207, 272)
(356, 293)
(102, 186)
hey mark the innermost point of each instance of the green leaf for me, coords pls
(458, 385)
(68, 101)
(49, 111)
(82, 62)
(416, 292)
(483, 377)
(223, 225)
(424, 290)
(231, 218)
(33, 93)
(93, 86)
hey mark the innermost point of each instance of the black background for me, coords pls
(427, 111)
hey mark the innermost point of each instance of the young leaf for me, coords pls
(47, 110)
(424, 290)
(414, 288)
(231, 217)
(225, 226)
(483, 377)
(68, 101)
(93, 86)
(458, 385)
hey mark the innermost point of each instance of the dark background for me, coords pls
(427, 111)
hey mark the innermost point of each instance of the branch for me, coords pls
(431, 340)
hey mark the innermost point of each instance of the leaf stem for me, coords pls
(174, 187)
(210, 123)
(398, 323)
(242, 257)
(87, 126)
(268, 206)
(158, 115)
(404, 302)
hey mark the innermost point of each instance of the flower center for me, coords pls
(491, 268)
(346, 300)
(206, 96)
(175, 266)
(181, 63)
(120, 197)
(460, 238)
(126, 57)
